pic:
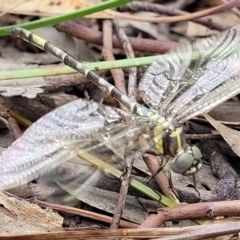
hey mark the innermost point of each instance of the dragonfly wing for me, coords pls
(225, 91)
(165, 77)
(111, 151)
(109, 142)
(194, 78)
(73, 176)
(43, 145)
(215, 71)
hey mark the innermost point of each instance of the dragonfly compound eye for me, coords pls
(187, 162)
(196, 153)
(182, 163)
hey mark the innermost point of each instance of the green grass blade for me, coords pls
(59, 70)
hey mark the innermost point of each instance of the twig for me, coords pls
(158, 8)
(187, 17)
(4, 121)
(132, 79)
(96, 37)
(13, 127)
(117, 74)
(226, 188)
(174, 233)
(123, 190)
(83, 213)
(154, 165)
(206, 210)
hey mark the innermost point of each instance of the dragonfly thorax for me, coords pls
(170, 142)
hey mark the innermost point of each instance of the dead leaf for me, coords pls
(20, 216)
(49, 7)
(224, 18)
(193, 29)
(226, 112)
(106, 201)
(231, 136)
(22, 87)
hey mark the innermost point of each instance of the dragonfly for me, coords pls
(187, 82)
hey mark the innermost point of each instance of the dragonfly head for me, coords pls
(170, 142)
(187, 161)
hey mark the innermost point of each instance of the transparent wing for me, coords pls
(206, 79)
(42, 146)
(91, 127)
(111, 150)
(165, 77)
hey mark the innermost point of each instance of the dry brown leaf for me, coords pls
(231, 136)
(224, 18)
(29, 87)
(48, 8)
(20, 216)
(106, 201)
(193, 29)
